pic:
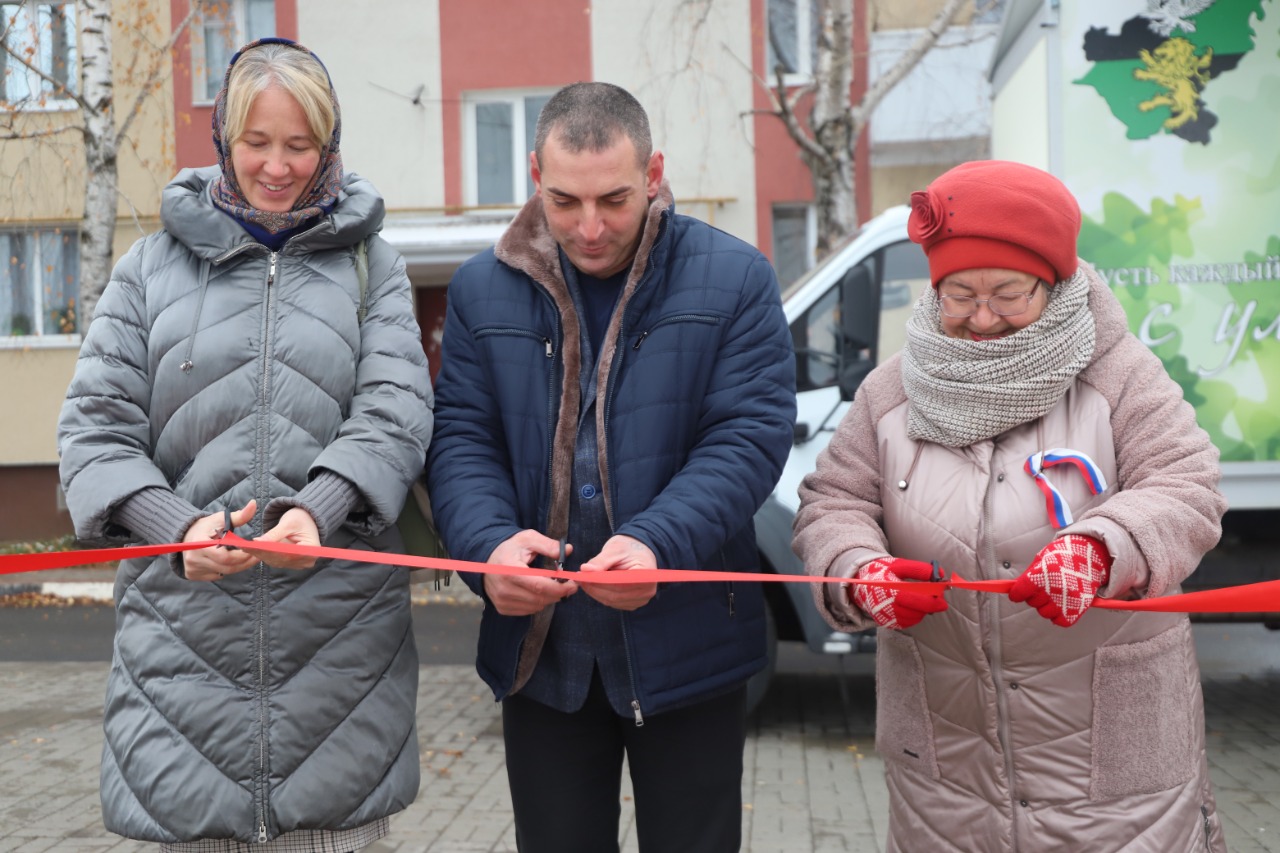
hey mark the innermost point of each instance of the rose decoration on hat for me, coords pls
(927, 216)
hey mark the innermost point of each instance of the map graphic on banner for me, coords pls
(1170, 115)
(1155, 72)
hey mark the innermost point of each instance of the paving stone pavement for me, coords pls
(812, 780)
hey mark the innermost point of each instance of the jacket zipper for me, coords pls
(631, 673)
(613, 494)
(679, 318)
(990, 607)
(1208, 828)
(551, 406)
(520, 333)
(549, 345)
(261, 593)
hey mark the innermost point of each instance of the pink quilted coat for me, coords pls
(999, 730)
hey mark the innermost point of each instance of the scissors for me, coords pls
(227, 527)
(564, 547)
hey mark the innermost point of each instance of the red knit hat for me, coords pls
(994, 213)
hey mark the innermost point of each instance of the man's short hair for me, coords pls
(590, 116)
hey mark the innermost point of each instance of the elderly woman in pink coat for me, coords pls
(1023, 433)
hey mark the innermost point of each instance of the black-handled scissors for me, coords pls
(227, 527)
(564, 548)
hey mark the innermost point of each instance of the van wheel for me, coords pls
(758, 684)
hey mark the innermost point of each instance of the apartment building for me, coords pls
(439, 101)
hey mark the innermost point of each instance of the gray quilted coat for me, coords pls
(216, 371)
(1000, 731)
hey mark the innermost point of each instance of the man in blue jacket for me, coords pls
(620, 378)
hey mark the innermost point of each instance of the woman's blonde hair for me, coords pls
(292, 69)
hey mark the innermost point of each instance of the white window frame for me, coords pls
(520, 147)
(199, 72)
(38, 339)
(40, 100)
(802, 75)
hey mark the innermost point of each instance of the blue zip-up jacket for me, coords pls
(695, 417)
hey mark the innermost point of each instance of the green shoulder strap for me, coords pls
(416, 525)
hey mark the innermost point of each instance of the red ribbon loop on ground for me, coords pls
(1261, 597)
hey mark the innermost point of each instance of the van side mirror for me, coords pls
(859, 310)
(859, 326)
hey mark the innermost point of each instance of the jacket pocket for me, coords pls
(1144, 700)
(507, 334)
(904, 729)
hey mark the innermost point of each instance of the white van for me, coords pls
(846, 315)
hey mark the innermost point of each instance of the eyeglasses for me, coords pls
(1004, 304)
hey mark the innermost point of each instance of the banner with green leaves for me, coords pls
(1170, 143)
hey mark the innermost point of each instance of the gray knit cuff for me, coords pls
(329, 499)
(156, 516)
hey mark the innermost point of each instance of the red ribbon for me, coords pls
(1251, 598)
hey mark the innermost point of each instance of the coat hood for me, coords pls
(189, 214)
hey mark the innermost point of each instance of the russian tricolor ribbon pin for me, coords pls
(1059, 512)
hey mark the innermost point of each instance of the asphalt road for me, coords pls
(446, 633)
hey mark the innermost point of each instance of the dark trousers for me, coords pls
(565, 772)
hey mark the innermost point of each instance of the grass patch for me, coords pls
(40, 546)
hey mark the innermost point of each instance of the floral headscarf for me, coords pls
(315, 201)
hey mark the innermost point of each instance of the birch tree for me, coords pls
(828, 138)
(102, 128)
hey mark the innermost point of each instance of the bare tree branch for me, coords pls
(760, 81)
(60, 89)
(785, 109)
(701, 15)
(158, 68)
(827, 137)
(877, 91)
(133, 212)
(8, 133)
(149, 62)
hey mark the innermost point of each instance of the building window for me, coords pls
(792, 37)
(500, 130)
(793, 241)
(39, 282)
(44, 34)
(220, 29)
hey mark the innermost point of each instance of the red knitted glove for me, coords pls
(1063, 579)
(895, 608)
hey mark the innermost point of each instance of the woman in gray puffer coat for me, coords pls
(1025, 434)
(238, 363)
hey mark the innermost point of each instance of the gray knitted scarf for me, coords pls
(960, 392)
